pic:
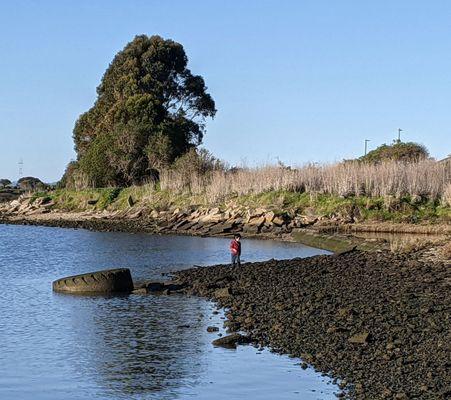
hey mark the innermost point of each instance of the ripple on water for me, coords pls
(128, 347)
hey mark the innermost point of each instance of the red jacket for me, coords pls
(235, 247)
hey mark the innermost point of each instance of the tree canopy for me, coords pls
(398, 151)
(150, 109)
(4, 183)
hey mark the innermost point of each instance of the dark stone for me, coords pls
(231, 341)
(368, 319)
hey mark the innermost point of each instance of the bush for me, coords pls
(4, 183)
(398, 151)
(74, 178)
(191, 172)
(31, 184)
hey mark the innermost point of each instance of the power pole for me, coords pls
(20, 167)
(399, 135)
(366, 144)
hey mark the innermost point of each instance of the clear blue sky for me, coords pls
(299, 80)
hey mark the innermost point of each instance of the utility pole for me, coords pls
(366, 144)
(20, 167)
(399, 135)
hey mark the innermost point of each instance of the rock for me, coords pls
(269, 216)
(106, 281)
(231, 326)
(130, 201)
(251, 229)
(153, 287)
(14, 205)
(259, 221)
(222, 293)
(220, 228)
(136, 214)
(231, 340)
(211, 329)
(359, 338)
(278, 221)
(140, 291)
(163, 287)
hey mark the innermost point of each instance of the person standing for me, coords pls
(235, 249)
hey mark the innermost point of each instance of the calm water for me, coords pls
(57, 346)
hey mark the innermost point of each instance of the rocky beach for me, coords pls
(377, 322)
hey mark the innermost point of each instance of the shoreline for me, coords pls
(375, 322)
(312, 308)
(331, 238)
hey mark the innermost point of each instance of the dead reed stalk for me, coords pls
(427, 179)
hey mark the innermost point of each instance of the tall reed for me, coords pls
(427, 179)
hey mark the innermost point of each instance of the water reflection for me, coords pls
(56, 346)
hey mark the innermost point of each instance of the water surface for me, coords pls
(56, 346)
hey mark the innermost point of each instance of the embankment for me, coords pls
(282, 215)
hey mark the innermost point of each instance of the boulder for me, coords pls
(269, 216)
(162, 287)
(231, 341)
(106, 281)
(278, 221)
(259, 221)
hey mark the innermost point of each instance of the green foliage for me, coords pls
(197, 161)
(37, 195)
(113, 194)
(30, 183)
(150, 109)
(4, 183)
(364, 208)
(398, 151)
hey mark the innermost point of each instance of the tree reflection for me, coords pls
(133, 345)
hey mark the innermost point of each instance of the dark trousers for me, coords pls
(236, 260)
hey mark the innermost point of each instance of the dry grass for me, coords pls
(425, 179)
(446, 197)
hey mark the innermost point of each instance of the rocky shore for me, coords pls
(377, 322)
(335, 233)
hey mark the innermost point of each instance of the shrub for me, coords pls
(398, 151)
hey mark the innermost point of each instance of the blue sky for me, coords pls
(299, 80)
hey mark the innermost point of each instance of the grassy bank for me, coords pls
(360, 209)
